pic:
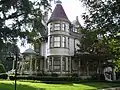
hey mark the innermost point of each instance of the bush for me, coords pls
(2, 69)
(98, 76)
(12, 77)
(54, 75)
(3, 76)
(74, 75)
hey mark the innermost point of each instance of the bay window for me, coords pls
(57, 41)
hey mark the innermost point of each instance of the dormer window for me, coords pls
(57, 26)
(75, 30)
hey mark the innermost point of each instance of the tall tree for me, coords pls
(21, 19)
(103, 18)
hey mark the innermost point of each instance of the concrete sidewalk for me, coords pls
(115, 88)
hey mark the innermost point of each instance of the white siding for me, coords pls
(58, 51)
(44, 49)
(71, 46)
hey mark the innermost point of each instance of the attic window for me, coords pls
(57, 26)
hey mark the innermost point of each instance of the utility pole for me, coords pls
(16, 59)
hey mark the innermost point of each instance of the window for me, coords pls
(67, 27)
(56, 41)
(50, 63)
(51, 27)
(51, 41)
(63, 42)
(76, 30)
(56, 63)
(64, 64)
(57, 26)
(59, 41)
(63, 26)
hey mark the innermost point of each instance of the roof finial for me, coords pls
(58, 2)
(77, 18)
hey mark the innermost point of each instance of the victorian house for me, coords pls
(61, 44)
(58, 47)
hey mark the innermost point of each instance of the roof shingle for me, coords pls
(58, 14)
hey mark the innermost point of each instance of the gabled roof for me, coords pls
(29, 51)
(58, 14)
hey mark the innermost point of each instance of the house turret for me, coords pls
(58, 31)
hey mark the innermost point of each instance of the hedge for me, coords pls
(2, 69)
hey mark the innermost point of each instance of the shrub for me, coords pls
(74, 75)
(54, 75)
(3, 76)
(2, 69)
(12, 77)
(98, 76)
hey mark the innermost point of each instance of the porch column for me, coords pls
(87, 68)
(66, 64)
(52, 63)
(79, 67)
(30, 64)
(22, 67)
(61, 65)
(43, 65)
(48, 61)
(13, 65)
(70, 64)
(35, 66)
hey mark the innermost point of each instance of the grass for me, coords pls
(37, 85)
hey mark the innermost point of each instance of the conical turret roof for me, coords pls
(76, 22)
(58, 14)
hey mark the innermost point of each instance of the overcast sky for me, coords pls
(72, 8)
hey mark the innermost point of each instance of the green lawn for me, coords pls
(35, 85)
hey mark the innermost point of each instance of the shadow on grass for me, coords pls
(101, 85)
(19, 87)
(98, 85)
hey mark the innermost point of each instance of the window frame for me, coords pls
(51, 26)
(56, 41)
(63, 41)
(57, 26)
(51, 41)
(63, 26)
(58, 59)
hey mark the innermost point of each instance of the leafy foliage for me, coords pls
(7, 50)
(21, 18)
(103, 24)
(2, 69)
